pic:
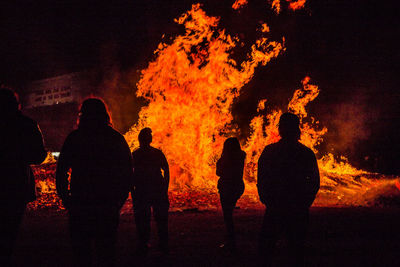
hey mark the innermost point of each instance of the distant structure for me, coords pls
(68, 88)
(54, 103)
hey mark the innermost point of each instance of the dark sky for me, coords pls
(348, 47)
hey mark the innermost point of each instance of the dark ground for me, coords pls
(338, 237)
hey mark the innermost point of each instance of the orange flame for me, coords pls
(293, 5)
(296, 5)
(398, 184)
(276, 6)
(239, 4)
(190, 88)
(263, 135)
(264, 27)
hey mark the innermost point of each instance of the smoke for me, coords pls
(349, 124)
(117, 87)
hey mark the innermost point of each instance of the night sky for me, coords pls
(348, 47)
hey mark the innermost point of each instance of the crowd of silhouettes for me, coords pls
(96, 171)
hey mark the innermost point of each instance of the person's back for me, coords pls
(101, 176)
(98, 160)
(288, 176)
(230, 168)
(148, 179)
(287, 181)
(150, 191)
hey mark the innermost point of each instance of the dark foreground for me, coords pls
(337, 237)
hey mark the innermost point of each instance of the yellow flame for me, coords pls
(276, 6)
(264, 27)
(49, 159)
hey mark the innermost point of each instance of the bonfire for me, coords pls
(190, 88)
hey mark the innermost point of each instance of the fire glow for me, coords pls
(191, 87)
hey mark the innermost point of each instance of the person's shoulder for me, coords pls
(27, 120)
(136, 151)
(117, 135)
(271, 147)
(71, 139)
(112, 132)
(73, 135)
(306, 150)
(156, 151)
(269, 151)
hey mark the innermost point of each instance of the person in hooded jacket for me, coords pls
(230, 184)
(21, 144)
(100, 166)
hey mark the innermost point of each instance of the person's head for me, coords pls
(231, 146)
(9, 101)
(93, 111)
(289, 126)
(145, 137)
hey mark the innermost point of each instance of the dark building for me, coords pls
(54, 103)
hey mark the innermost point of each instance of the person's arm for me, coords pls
(127, 173)
(63, 166)
(262, 176)
(314, 182)
(219, 168)
(134, 169)
(165, 168)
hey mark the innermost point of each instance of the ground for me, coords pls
(337, 237)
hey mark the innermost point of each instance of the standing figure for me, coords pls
(100, 164)
(230, 184)
(288, 181)
(21, 144)
(150, 191)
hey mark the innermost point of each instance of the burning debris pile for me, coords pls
(191, 87)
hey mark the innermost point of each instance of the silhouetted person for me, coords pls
(21, 144)
(230, 185)
(101, 176)
(288, 180)
(150, 191)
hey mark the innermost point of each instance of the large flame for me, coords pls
(191, 87)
